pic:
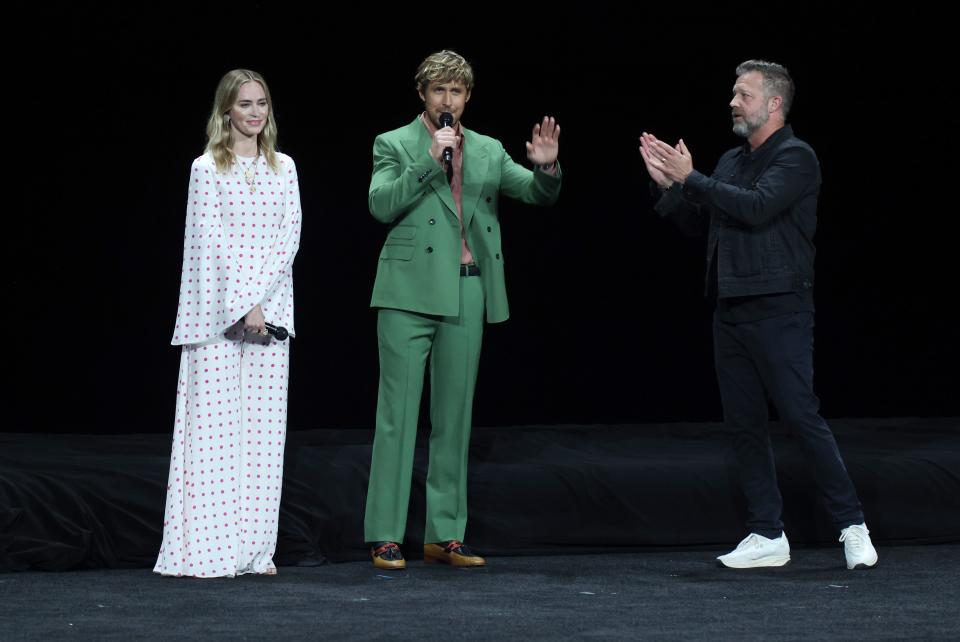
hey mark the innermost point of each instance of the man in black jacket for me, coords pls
(761, 204)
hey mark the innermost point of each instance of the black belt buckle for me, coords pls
(470, 269)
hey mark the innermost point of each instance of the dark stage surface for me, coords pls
(911, 595)
(75, 501)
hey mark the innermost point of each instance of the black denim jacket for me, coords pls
(762, 209)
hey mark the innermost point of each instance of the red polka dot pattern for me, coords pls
(238, 248)
(226, 468)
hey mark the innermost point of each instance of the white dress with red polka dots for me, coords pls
(226, 467)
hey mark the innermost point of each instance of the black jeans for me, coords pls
(774, 357)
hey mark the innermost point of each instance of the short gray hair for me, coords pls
(776, 81)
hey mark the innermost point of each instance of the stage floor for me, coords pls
(911, 594)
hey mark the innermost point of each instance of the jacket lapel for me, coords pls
(476, 159)
(416, 142)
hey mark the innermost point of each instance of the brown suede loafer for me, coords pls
(453, 553)
(387, 556)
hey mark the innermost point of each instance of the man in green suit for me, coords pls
(436, 184)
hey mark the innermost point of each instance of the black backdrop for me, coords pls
(107, 109)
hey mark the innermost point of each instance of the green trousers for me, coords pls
(406, 340)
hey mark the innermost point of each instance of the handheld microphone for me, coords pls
(279, 332)
(446, 120)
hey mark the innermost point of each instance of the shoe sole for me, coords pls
(384, 566)
(863, 566)
(767, 562)
(440, 560)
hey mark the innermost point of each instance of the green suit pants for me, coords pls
(452, 344)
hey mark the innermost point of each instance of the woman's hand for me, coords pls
(254, 321)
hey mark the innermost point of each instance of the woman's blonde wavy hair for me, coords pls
(219, 132)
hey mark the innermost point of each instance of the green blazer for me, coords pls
(419, 267)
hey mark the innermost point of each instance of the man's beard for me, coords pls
(747, 124)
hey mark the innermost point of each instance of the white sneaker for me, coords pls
(857, 547)
(756, 551)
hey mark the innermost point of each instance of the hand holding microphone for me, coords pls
(444, 140)
(446, 120)
(278, 332)
(255, 323)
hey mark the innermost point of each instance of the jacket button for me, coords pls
(498, 255)
(489, 199)
(432, 221)
(489, 229)
(430, 250)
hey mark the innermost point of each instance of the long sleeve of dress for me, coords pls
(215, 290)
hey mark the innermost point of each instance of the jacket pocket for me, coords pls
(402, 233)
(772, 254)
(396, 252)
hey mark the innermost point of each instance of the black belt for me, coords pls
(471, 269)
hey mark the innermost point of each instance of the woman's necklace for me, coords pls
(250, 172)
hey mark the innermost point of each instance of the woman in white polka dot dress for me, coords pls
(242, 232)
